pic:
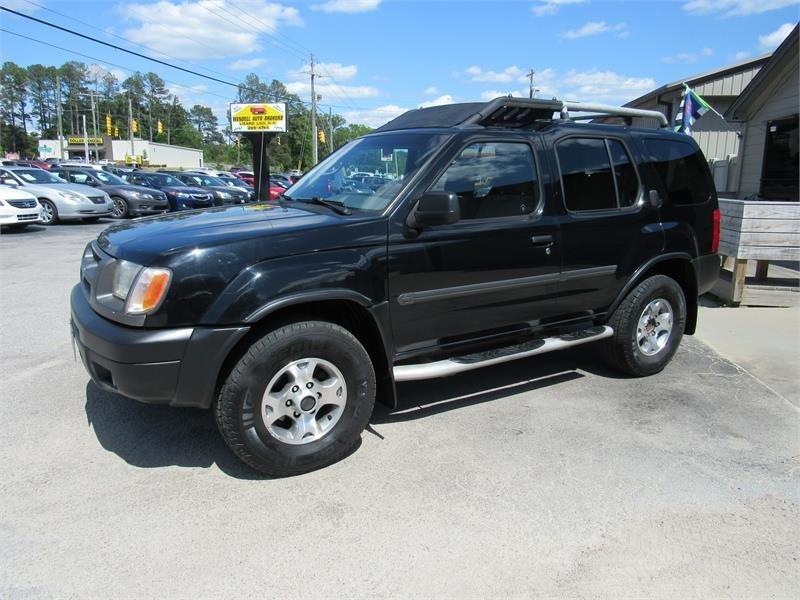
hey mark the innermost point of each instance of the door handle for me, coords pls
(542, 240)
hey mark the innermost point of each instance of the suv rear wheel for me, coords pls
(648, 327)
(298, 399)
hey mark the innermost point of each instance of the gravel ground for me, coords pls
(550, 476)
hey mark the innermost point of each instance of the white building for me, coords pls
(120, 151)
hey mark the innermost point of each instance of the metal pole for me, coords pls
(60, 126)
(85, 140)
(330, 125)
(130, 126)
(94, 127)
(314, 145)
(531, 73)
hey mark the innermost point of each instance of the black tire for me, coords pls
(121, 208)
(91, 219)
(50, 208)
(238, 408)
(623, 350)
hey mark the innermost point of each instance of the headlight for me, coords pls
(148, 291)
(182, 195)
(73, 196)
(224, 196)
(124, 275)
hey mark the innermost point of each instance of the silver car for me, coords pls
(60, 200)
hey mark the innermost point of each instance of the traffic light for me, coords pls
(116, 132)
(321, 135)
(135, 126)
(278, 140)
(238, 142)
(109, 128)
(159, 127)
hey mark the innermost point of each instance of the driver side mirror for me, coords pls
(9, 181)
(435, 208)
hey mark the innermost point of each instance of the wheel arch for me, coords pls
(677, 266)
(345, 308)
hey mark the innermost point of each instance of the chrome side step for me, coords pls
(451, 366)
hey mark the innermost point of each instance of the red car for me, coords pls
(34, 163)
(246, 176)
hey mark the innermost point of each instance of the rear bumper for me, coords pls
(706, 269)
(178, 367)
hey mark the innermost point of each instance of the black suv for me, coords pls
(501, 230)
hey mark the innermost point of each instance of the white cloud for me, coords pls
(246, 64)
(187, 94)
(96, 72)
(331, 91)
(742, 55)
(191, 29)
(733, 8)
(492, 94)
(347, 6)
(445, 99)
(506, 75)
(604, 85)
(374, 117)
(333, 70)
(593, 28)
(431, 91)
(20, 6)
(688, 58)
(774, 39)
(550, 7)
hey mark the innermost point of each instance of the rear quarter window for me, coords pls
(682, 169)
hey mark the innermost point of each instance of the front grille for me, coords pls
(22, 203)
(206, 197)
(27, 217)
(97, 199)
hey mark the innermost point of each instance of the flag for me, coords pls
(692, 108)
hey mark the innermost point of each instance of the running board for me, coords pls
(451, 366)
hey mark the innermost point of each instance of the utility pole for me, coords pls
(330, 126)
(94, 126)
(314, 146)
(130, 125)
(58, 112)
(85, 140)
(530, 75)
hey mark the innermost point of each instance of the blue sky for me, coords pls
(381, 57)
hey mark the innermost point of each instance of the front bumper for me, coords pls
(21, 216)
(177, 366)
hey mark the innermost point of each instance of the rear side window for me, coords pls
(586, 174)
(682, 170)
(624, 172)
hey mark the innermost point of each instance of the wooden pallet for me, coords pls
(761, 231)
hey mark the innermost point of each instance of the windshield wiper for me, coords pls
(337, 207)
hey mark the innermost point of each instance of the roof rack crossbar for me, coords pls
(496, 107)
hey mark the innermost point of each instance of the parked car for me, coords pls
(247, 176)
(61, 201)
(512, 232)
(81, 165)
(180, 196)
(129, 200)
(38, 164)
(223, 194)
(18, 208)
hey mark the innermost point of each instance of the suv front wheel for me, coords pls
(298, 399)
(648, 326)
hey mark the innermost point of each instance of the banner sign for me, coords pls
(79, 140)
(258, 117)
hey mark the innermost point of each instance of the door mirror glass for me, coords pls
(9, 181)
(435, 208)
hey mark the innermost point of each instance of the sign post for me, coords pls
(259, 123)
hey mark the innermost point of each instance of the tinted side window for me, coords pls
(492, 180)
(586, 174)
(682, 169)
(76, 177)
(624, 172)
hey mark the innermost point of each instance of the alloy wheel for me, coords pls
(654, 328)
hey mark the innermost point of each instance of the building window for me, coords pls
(780, 172)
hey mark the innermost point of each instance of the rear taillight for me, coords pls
(717, 218)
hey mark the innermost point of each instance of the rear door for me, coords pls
(608, 227)
(492, 273)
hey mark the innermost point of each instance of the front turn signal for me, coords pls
(149, 291)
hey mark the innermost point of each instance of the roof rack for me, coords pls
(508, 111)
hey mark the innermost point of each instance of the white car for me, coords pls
(60, 200)
(18, 209)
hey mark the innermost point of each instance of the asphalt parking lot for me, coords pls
(549, 476)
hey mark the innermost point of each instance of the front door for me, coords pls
(493, 272)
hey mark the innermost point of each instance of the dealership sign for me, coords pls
(258, 117)
(80, 140)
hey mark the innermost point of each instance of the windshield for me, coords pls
(202, 180)
(369, 172)
(163, 179)
(36, 176)
(108, 178)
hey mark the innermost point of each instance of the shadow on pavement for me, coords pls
(11, 230)
(152, 436)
